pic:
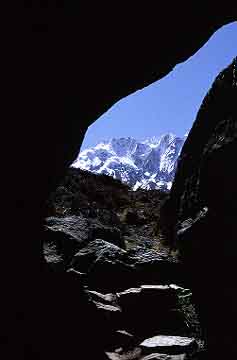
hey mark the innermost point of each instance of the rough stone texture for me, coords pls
(141, 313)
(109, 234)
(110, 299)
(74, 226)
(164, 357)
(105, 265)
(203, 201)
(63, 238)
(207, 158)
(110, 268)
(101, 204)
(133, 354)
(156, 267)
(57, 83)
(164, 295)
(169, 344)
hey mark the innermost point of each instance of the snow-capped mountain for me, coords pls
(148, 164)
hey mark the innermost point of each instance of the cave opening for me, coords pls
(136, 131)
(115, 144)
(61, 73)
(120, 225)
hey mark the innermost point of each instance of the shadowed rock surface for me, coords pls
(139, 323)
(172, 344)
(110, 268)
(202, 210)
(126, 283)
(88, 210)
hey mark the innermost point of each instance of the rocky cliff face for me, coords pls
(148, 164)
(203, 170)
(202, 210)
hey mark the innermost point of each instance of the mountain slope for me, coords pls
(148, 164)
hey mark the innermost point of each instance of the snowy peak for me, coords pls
(147, 164)
(123, 146)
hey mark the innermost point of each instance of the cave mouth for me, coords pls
(50, 72)
(167, 107)
(113, 240)
(161, 100)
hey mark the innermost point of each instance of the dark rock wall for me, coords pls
(203, 200)
(61, 71)
(204, 174)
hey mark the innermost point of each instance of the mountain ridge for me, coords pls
(147, 164)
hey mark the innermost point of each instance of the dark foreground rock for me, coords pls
(110, 234)
(152, 309)
(159, 347)
(63, 237)
(112, 211)
(103, 260)
(143, 322)
(202, 213)
(156, 356)
(122, 269)
(169, 344)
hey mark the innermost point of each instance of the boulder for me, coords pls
(169, 344)
(112, 269)
(111, 299)
(162, 294)
(105, 265)
(74, 226)
(151, 309)
(107, 308)
(156, 267)
(63, 237)
(164, 357)
(108, 233)
(86, 257)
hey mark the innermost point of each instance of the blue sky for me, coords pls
(170, 104)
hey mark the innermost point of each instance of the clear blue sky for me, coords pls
(170, 104)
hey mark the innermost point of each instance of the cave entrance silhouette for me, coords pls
(61, 73)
